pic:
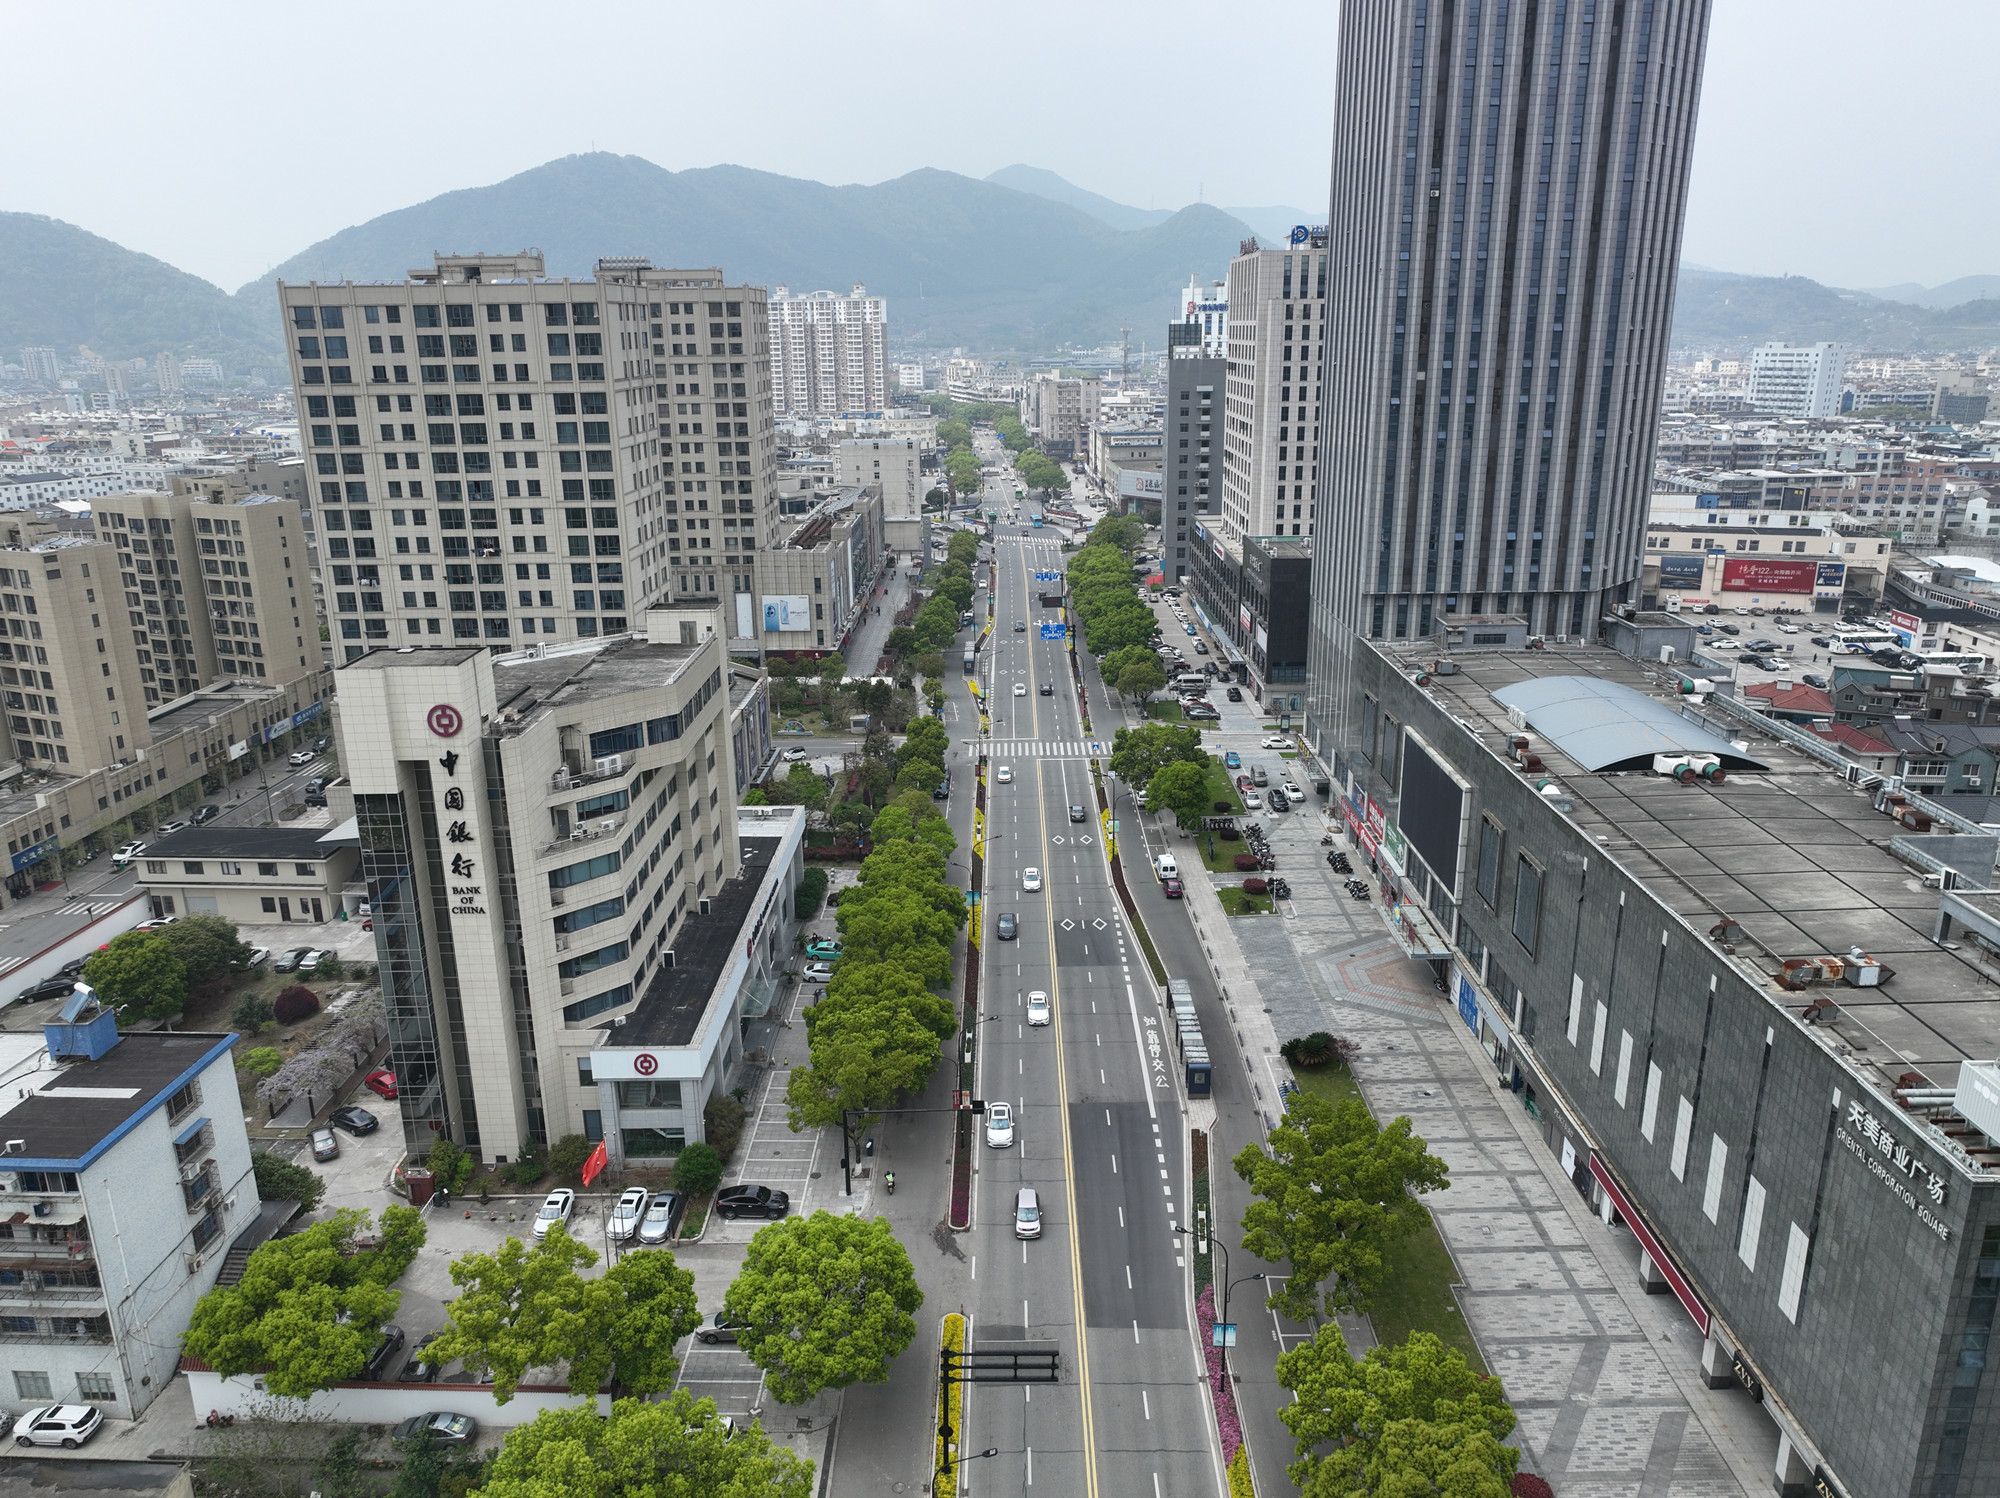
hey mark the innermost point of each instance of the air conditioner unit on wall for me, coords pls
(194, 1263)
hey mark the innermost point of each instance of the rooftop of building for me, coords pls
(70, 1477)
(217, 697)
(65, 1113)
(1792, 697)
(525, 683)
(670, 1011)
(1791, 852)
(275, 844)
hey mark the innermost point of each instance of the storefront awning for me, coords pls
(1415, 932)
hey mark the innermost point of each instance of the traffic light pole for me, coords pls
(849, 1115)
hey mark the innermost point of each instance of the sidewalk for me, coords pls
(864, 646)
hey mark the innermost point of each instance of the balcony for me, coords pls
(593, 830)
(89, 1329)
(569, 778)
(43, 1251)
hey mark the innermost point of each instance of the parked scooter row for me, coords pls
(1337, 861)
(1359, 889)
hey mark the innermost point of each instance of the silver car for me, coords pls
(662, 1222)
(624, 1221)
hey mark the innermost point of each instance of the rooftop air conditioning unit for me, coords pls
(610, 764)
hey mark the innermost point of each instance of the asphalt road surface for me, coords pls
(1100, 1136)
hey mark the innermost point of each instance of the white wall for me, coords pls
(384, 1404)
(45, 963)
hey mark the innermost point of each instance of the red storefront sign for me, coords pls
(1768, 575)
(1682, 1290)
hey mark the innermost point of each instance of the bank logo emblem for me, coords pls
(445, 721)
(645, 1064)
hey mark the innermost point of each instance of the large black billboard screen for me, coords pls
(1432, 812)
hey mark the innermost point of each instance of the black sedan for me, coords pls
(1812, 680)
(1076, 813)
(1749, 658)
(443, 1427)
(1009, 927)
(1048, 689)
(751, 1201)
(354, 1120)
(420, 1369)
(48, 988)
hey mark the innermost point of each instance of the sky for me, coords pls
(1844, 140)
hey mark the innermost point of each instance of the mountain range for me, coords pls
(1023, 260)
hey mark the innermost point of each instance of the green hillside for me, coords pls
(64, 286)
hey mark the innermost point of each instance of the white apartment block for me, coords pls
(125, 1182)
(516, 460)
(910, 376)
(40, 365)
(552, 851)
(1797, 379)
(1060, 412)
(1205, 308)
(1270, 435)
(895, 466)
(829, 353)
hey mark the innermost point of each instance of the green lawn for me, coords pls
(1166, 711)
(1416, 1296)
(1237, 902)
(1220, 789)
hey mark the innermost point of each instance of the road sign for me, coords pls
(1225, 1334)
(1055, 631)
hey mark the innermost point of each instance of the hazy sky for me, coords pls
(1851, 142)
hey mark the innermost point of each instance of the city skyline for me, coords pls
(119, 194)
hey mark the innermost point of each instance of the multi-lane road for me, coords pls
(1099, 1139)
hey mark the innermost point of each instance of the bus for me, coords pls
(1036, 522)
(1862, 641)
(970, 662)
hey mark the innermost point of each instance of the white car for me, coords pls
(303, 757)
(625, 1216)
(1252, 801)
(557, 1207)
(1276, 741)
(794, 754)
(1031, 880)
(126, 855)
(1038, 1007)
(1020, 689)
(258, 957)
(1003, 776)
(999, 1125)
(819, 972)
(66, 1425)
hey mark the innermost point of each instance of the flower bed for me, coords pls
(1226, 1421)
(951, 1409)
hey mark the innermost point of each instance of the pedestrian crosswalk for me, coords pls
(89, 907)
(1047, 748)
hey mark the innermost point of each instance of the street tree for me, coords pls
(863, 1057)
(139, 976)
(522, 1307)
(826, 1302)
(1181, 788)
(1138, 754)
(207, 946)
(676, 1447)
(1140, 680)
(643, 1306)
(1413, 1419)
(307, 1311)
(282, 1180)
(1335, 1191)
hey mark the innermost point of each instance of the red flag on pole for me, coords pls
(594, 1166)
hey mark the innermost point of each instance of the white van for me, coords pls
(1164, 868)
(1027, 1214)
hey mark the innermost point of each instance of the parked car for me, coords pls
(1031, 880)
(751, 1201)
(377, 1367)
(1235, 694)
(446, 1429)
(48, 988)
(662, 1222)
(157, 923)
(65, 1425)
(289, 963)
(1825, 642)
(823, 950)
(1747, 658)
(324, 1145)
(557, 1207)
(1812, 680)
(419, 1369)
(1076, 814)
(127, 855)
(624, 1219)
(1277, 799)
(203, 815)
(382, 1083)
(313, 958)
(1172, 889)
(1038, 1007)
(720, 1328)
(999, 1125)
(1252, 801)
(1260, 777)
(74, 967)
(303, 757)
(943, 791)
(819, 972)
(258, 957)
(794, 754)
(1009, 927)
(168, 829)
(1729, 629)
(1769, 663)
(354, 1120)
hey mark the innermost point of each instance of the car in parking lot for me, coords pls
(1171, 888)
(1020, 689)
(1770, 663)
(720, 1327)
(324, 1145)
(289, 963)
(1202, 713)
(557, 1207)
(445, 1428)
(1729, 629)
(381, 1082)
(377, 1367)
(354, 1120)
(1276, 799)
(1252, 801)
(1004, 775)
(1233, 760)
(819, 972)
(126, 855)
(1076, 814)
(157, 923)
(999, 1125)
(624, 1219)
(65, 1425)
(1235, 694)
(1747, 658)
(662, 1222)
(1825, 642)
(751, 1201)
(1031, 879)
(48, 988)
(419, 1369)
(1764, 647)
(1813, 680)
(1008, 927)
(257, 957)
(1038, 1007)
(823, 950)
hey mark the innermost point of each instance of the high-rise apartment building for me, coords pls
(1277, 319)
(167, 373)
(1205, 308)
(40, 365)
(895, 465)
(1191, 451)
(552, 852)
(1797, 379)
(1060, 412)
(829, 353)
(211, 589)
(1507, 195)
(516, 460)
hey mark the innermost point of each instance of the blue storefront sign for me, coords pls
(33, 855)
(297, 719)
(1468, 1004)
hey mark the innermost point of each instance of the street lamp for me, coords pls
(1228, 1284)
(944, 1432)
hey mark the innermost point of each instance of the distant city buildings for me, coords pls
(40, 364)
(1797, 380)
(167, 373)
(1201, 318)
(1059, 411)
(829, 353)
(910, 376)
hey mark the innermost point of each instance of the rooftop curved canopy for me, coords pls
(1603, 725)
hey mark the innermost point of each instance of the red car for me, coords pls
(1172, 888)
(381, 1083)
